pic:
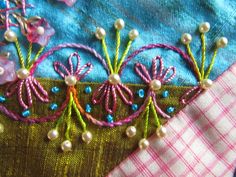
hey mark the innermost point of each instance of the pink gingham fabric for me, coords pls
(201, 139)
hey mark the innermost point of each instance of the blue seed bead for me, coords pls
(165, 94)
(134, 107)
(2, 4)
(2, 99)
(170, 109)
(110, 118)
(26, 113)
(141, 93)
(55, 89)
(53, 106)
(88, 108)
(88, 89)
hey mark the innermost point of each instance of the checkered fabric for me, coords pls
(201, 139)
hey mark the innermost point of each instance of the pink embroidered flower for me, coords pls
(157, 79)
(71, 75)
(39, 31)
(68, 2)
(7, 70)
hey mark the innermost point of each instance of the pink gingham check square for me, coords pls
(201, 139)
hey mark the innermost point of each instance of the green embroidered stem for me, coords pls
(194, 61)
(21, 58)
(104, 46)
(211, 64)
(146, 111)
(117, 50)
(157, 120)
(203, 54)
(124, 55)
(29, 55)
(68, 123)
(60, 120)
(80, 119)
(36, 56)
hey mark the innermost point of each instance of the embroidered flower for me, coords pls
(157, 79)
(39, 31)
(71, 75)
(7, 70)
(68, 2)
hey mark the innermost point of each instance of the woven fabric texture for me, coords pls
(201, 139)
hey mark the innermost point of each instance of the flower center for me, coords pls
(1, 71)
(70, 80)
(114, 79)
(206, 83)
(22, 73)
(155, 85)
(40, 30)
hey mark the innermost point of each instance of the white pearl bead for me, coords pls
(70, 80)
(204, 27)
(1, 71)
(40, 30)
(100, 33)
(143, 143)
(186, 38)
(22, 73)
(222, 42)
(206, 83)
(53, 134)
(66, 146)
(155, 85)
(87, 137)
(114, 79)
(119, 24)
(131, 131)
(133, 34)
(1, 128)
(10, 36)
(161, 132)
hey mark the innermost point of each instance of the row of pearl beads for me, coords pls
(119, 24)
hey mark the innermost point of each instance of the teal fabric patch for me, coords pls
(157, 21)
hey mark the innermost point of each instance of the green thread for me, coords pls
(194, 61)
(61, 118)
(203, 54)
(68, 122)
(29, 54)
(36, 56)
(21, 58)
(146, 112)
(117, 50)
(211, 64)
(104, 46)
(80, 119)
(124, 55)
(157, 120)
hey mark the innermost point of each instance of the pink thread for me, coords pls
(155, 74)
(15, 8)
(163, 78)
(185, 99)
(119, 88)
(7, 15)
(23, 6)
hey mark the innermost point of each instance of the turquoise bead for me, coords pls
(26, 113)
(2, 99)
(88, 108)
(88, 89)
(134, 107)
(110, 118)
(3, 5)
(170, 109)
(53, 106)
(141, 93)
(55, 89)
(165, 94)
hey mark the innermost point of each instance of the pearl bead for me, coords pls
(100, 33)
(143, 143)
(87, 137)
(222, 42)
(204, 27)
(1, 128)
(161, 132)
(66, 146)
(40, 30)
(1, 71)
(133, 34)
(10, 36)
(70, 80)
(22, 73)
(131, 131)
(114, 79)
(155, 85)
(206, 83)
(53, 134)
(186, 38)
(119, 24)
